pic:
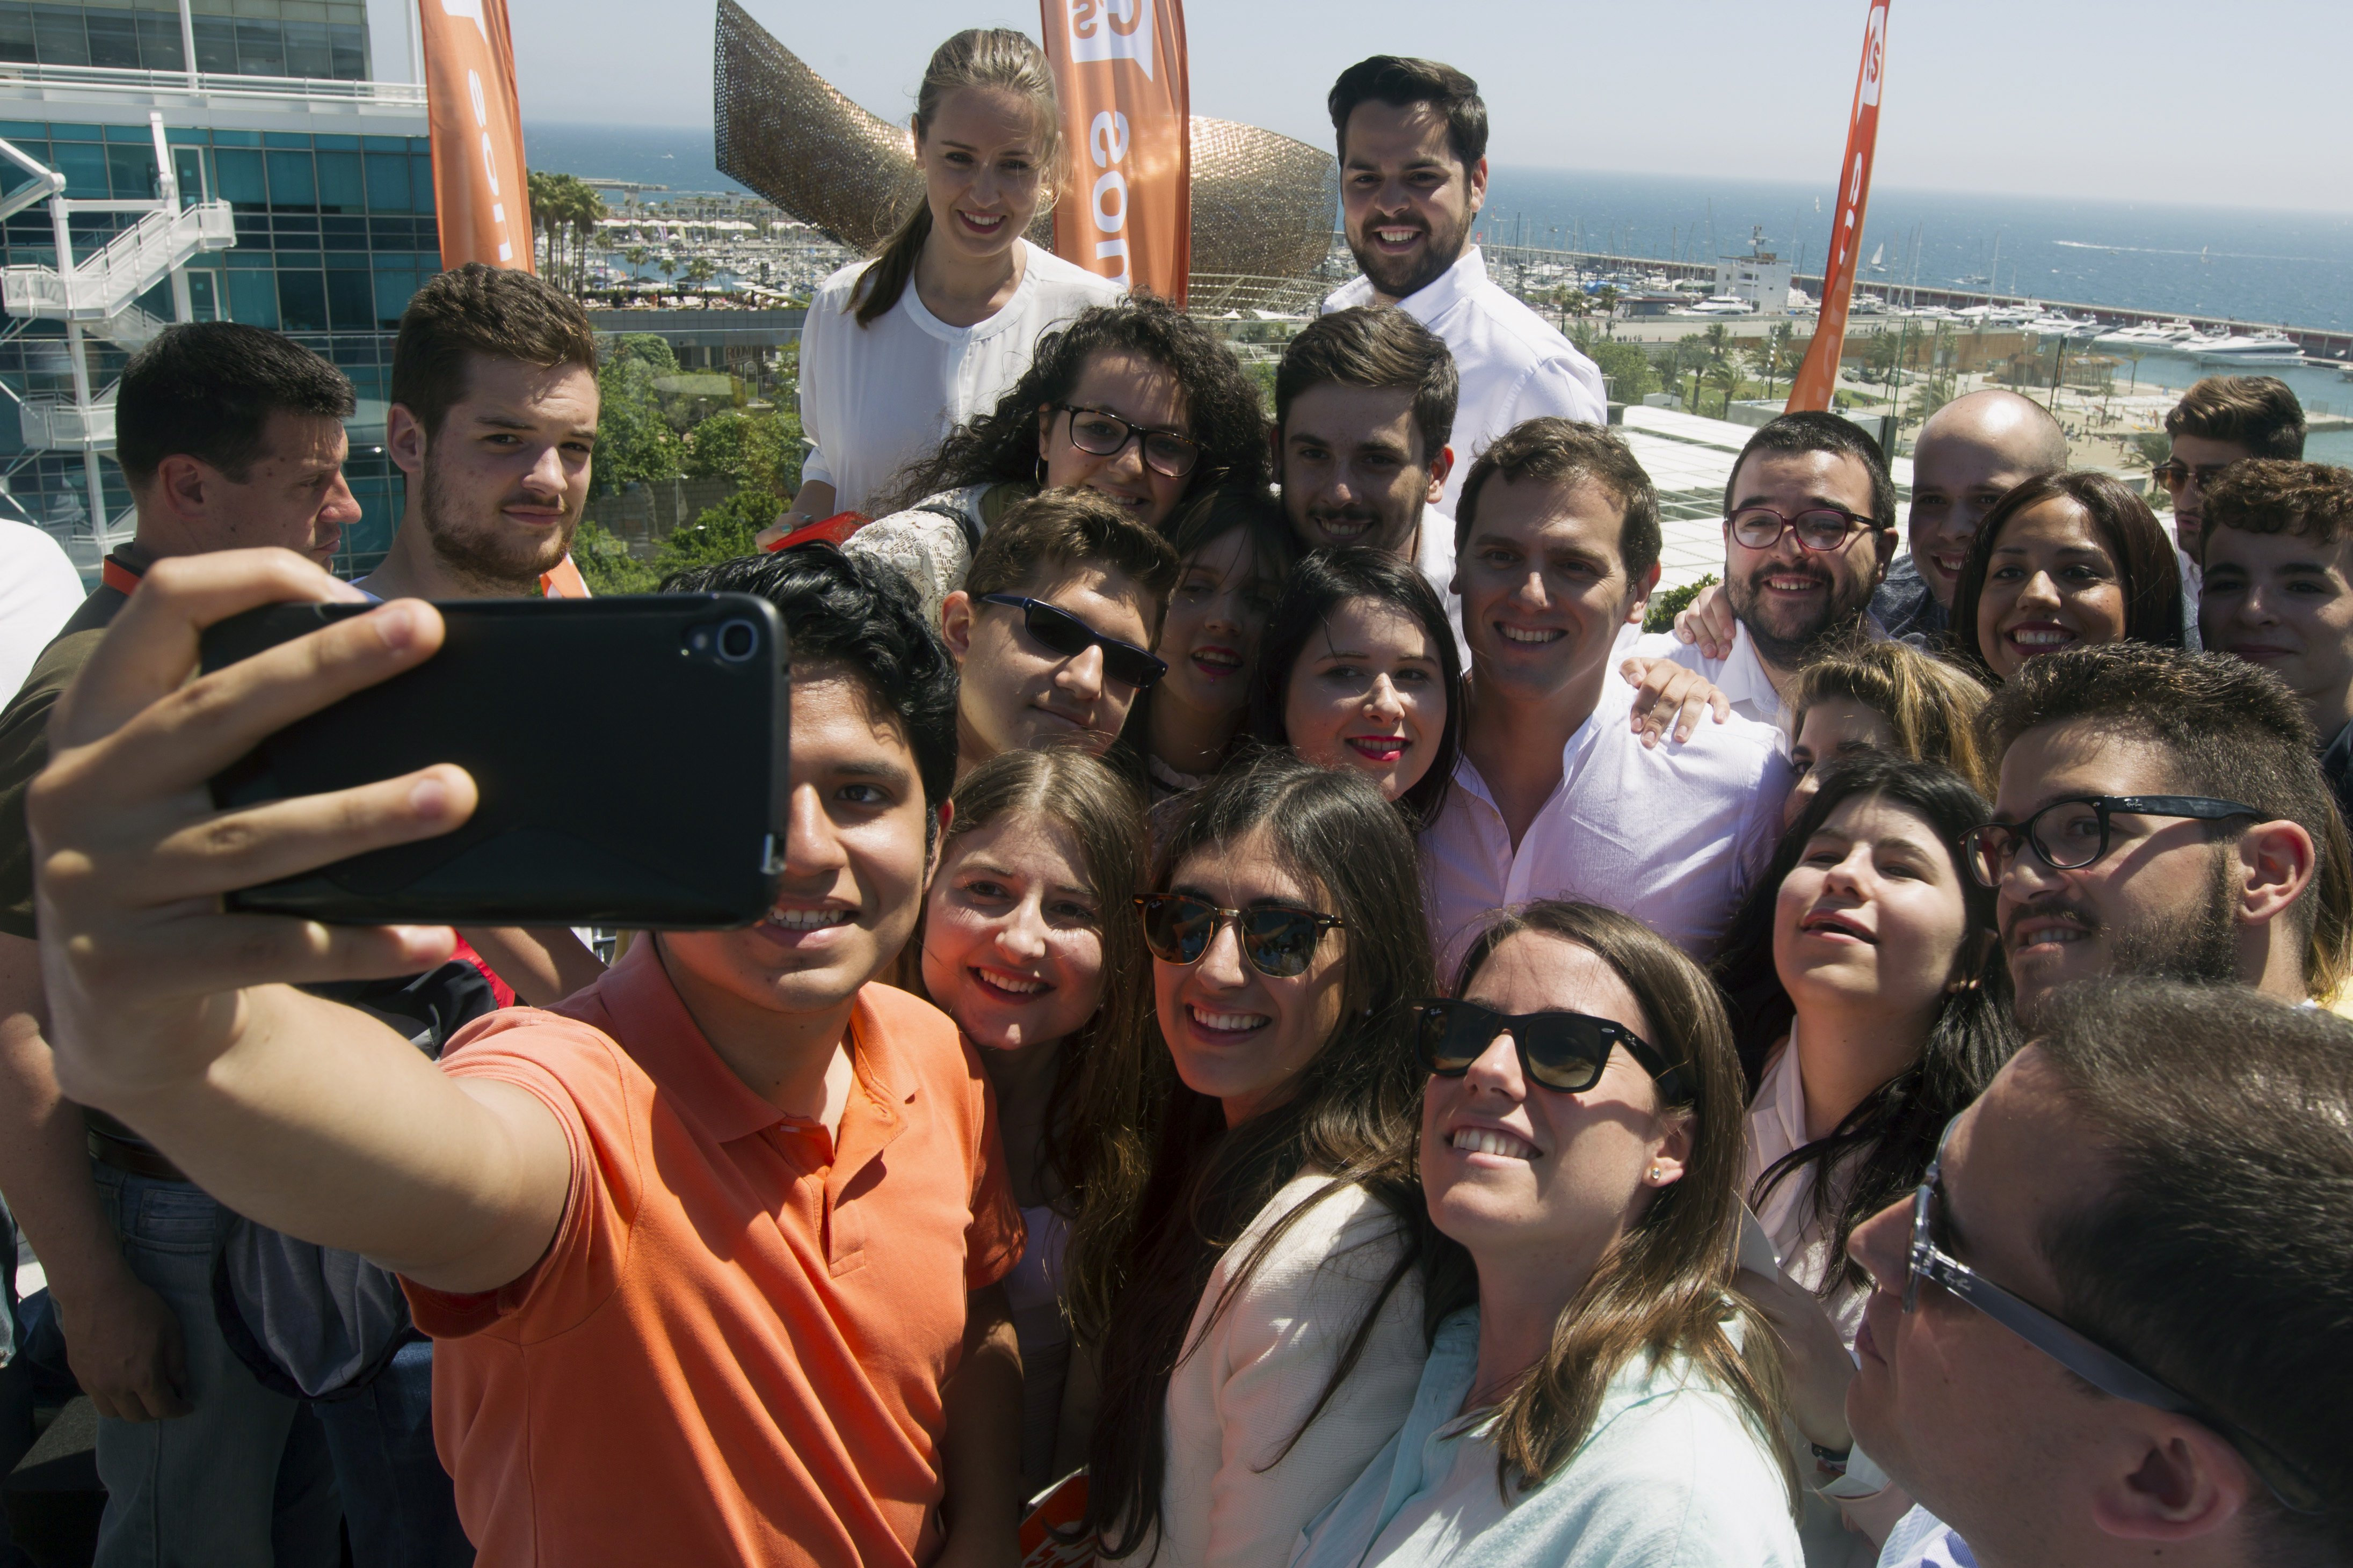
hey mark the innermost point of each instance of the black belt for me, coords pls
(136, 1158)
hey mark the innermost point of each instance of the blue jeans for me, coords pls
(244, 1479)
(397, 1499)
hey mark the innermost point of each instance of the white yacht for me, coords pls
(2254, 348)
(1717, 305)
(2150, 335)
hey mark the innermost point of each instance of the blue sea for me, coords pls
(2292, 269)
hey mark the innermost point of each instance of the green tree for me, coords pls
(1718, 337)
(720, 532)
(758, 449)
(1724, 377)
(1667, 604)
(1627, 369)
(700, 271)
(634, 442)
(606, 565)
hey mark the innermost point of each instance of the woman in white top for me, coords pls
(1030, 942)
(898, 350)
(1135, 400)
(1257, 1236)
(1598, 1395)
(1873, 1005)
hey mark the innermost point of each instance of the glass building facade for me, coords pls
(335, 229)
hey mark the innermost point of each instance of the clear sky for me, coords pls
(2068, 98)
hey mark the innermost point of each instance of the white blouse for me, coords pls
(875, 398)
(1776, 1126)
(1241, 1393)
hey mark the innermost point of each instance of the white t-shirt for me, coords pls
(1739, 675)
(875, 398)
(38, 590)
(1240, 1395)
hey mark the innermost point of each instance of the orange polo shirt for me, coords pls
(733, 1349)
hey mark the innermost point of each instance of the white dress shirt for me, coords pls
(1674, 835)
(1513, 365)
(1433, 557)
(877, 398)
(1739, 675)
(40, 590)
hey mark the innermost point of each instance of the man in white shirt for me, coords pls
(1555, 796)
(1364, 408)
(1413, 176)
(1810, 529)
(2119, 1335)
(38, 589)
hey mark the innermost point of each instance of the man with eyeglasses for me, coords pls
(2088, 1343)
(2161, 812)
(1053, 631)
(1809, 533)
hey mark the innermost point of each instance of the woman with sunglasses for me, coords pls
(1596, 1393)
(1137, 401)
(1234, 549)
(1872, 1005)
(2065, 561)
(903, 346)
(1253, 1307)
(1359, 671)
(1031, 944)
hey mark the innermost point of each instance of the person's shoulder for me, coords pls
(1510, 319)
(52, 672)
(832, 297)
(921, 1036)
(1667, 646)
(1069, 281)
(31, 559)
(570, 1046)
(1317, 1227)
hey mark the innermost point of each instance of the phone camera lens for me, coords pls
(738, 641)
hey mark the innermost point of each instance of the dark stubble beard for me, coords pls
(1402, 280)
(2198, 945)
(1790, 647)
(472, 543)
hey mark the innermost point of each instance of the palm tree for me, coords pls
(1724, 376)
(699, 272)
(1719, 341)
(668, 267)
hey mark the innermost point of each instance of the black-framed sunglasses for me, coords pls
(2070, 833)
(2094, 1363)
(1820, 529)
(1059, 631)
(1278, 941)
(1562, 1051)
(1100, 433)
(2173, 474)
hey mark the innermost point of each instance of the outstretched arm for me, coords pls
(183, 1019)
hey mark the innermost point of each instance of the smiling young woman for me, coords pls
(1232, 1239)
(1030, 944)
(2066, 561)
(957, 298)
(1358, 669)
(1598, 1394)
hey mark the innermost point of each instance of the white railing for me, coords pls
(133, 262)
(50, 423)
(399, 94)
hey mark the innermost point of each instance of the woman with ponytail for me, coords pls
(901, 349)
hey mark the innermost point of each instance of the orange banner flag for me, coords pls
(1127, 109)
(1817, 379)
(479, 189)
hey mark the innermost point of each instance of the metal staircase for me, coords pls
(97, 295)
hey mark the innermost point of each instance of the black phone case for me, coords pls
(631, 772)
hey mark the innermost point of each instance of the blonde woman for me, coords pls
(1883, 697)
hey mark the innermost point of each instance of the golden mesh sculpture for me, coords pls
(1263, 204)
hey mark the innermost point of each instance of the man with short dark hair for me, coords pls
(493, 418)
(1052, 630)
(2222, 420)
(710, 1251)
(2161, 812)
(229, 437)
(2110, 1329)
(2278, 558)
(1557, 549)
(1808, 531)
(1413, 175)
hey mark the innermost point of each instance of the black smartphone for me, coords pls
(630, 755)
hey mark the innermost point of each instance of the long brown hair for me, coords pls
(1666, 1288)
(978, 57)
(2145, 563)
(1176, 1186)
(1104, 815)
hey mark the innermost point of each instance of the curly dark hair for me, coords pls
(1221, 402)
(2274, 495)
(863, 615)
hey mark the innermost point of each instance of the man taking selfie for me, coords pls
(662, 1208)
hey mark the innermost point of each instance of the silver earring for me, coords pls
(1654, 1174)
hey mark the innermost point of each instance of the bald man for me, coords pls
(1969, 453)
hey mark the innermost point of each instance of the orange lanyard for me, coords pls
(118, 576)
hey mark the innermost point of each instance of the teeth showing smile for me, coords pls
(1396, 236)
(1015, 983)
(1379, 748)
(1488, 1140)
(1531, 634)
(1224, 1023)
(2041, 637)
(2059, 935)
(987, 223)
(1220, 658)
(810, 920)
(1793, 584)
